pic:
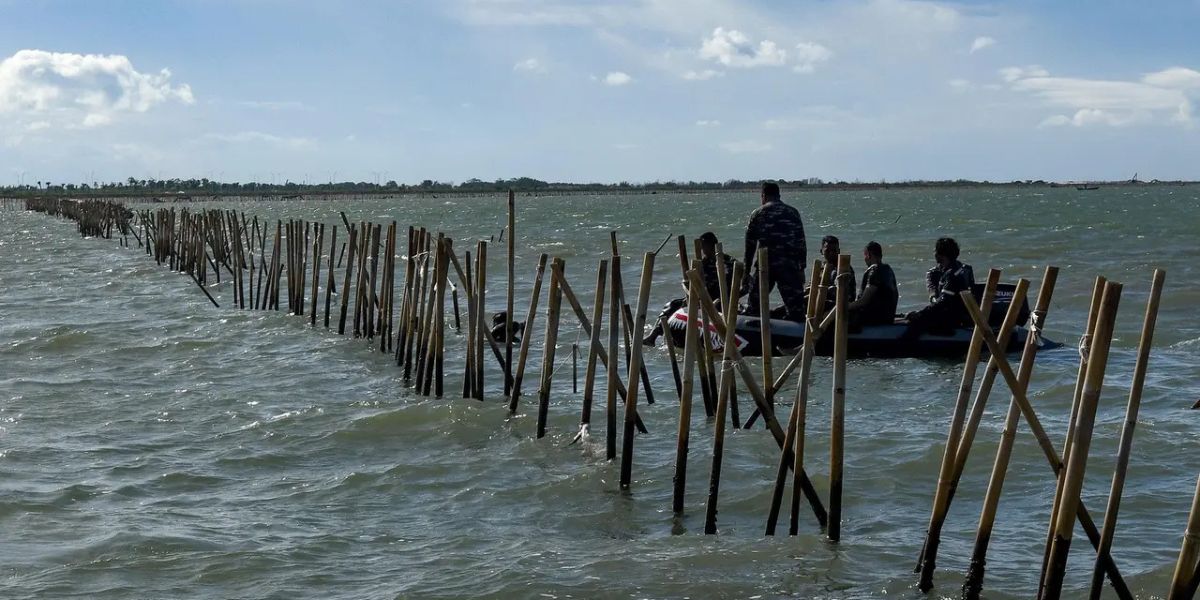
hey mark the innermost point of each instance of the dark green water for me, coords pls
(152, 446)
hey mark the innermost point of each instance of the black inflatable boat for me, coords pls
(884, 341)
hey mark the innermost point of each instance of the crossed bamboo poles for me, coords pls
(194, 242)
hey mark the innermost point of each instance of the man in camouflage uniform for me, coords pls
(778, 228)
(946, 311)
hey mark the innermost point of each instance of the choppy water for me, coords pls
(154, 446)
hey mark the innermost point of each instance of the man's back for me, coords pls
(882, 308)
(778, 227)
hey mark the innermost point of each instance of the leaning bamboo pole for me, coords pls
(927, 561)
(589, 377)
(614, 336)
(1108, 530)
(991, 501)
(1077, 461)
(635, 366)
(1183, 581)
(514, 396)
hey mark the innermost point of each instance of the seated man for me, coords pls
(876, 303)
(708, 271)
(946, 311)
(831, 247)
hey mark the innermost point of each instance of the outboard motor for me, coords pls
(1004, 298)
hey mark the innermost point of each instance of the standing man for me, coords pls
(778, 228)
(876, 303)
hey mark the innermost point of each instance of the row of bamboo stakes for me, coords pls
(414, 333)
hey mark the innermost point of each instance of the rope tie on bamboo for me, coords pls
(1085, 345)
(1035, 327)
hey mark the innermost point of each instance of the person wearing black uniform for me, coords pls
(946, 311)
(831, 247)
(877, 298)
(777, 227)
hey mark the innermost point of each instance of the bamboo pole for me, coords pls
(752, 386)
(440, 351)
(635, 366)
(1183, 581)
(704, 366)
(481, 329)
(346, 282)
(764, 314)
(318, 244)
(670, 344)
(329, 283)
(1080, 375)
(1126, 445)
(508, 327)
(614, 335)
(589, 376)
(690, 351)
(1047, 446)
(1077, 461)
(714, 480)
(927, 561)
(514, 396)
(987, 517)
(549, 348)
(837, 427)
(792, 454)
(472, 324)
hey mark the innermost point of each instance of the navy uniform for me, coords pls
(831, 293)
(777, 227)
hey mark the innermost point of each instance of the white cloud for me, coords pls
(704, 75)
(617, 78)
(529, 65)
(1011, 74)
(808, 55)
(258, 137)
(733, 49)
(87, 90)
(708, 123)
(1158, 96)
(982, 42)
(1174, 77)
(746, 147)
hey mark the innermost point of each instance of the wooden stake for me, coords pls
(508, 327)
(635, 366)
(1183, 582)
(730, 345)
(1131, 414)
(346, 282)
(554, 303)
(1076, 463)
(614, 335)
(515, 393)
(589, 376)
(837, 427)
(690, 350)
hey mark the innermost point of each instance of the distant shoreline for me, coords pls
(363, 191)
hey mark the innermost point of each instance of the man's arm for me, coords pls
(865, 299)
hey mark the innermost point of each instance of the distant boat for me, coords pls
(1087, 188)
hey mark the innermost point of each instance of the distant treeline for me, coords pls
(205, 187)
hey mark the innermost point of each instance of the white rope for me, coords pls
(1035, 327)
(1085, 346)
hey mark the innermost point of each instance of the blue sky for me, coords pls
(613, 90)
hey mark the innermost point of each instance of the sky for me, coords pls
(603, 91)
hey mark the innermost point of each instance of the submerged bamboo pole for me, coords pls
(635, 366)
(589, 376)
(1077, 461)
(614, 335)
(682, 438)
(927, 561)
(549, 348)
(837, 426)
(515, 392)
(987, 517)
(727, 382)
(1108, 530)
(1080, 376)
